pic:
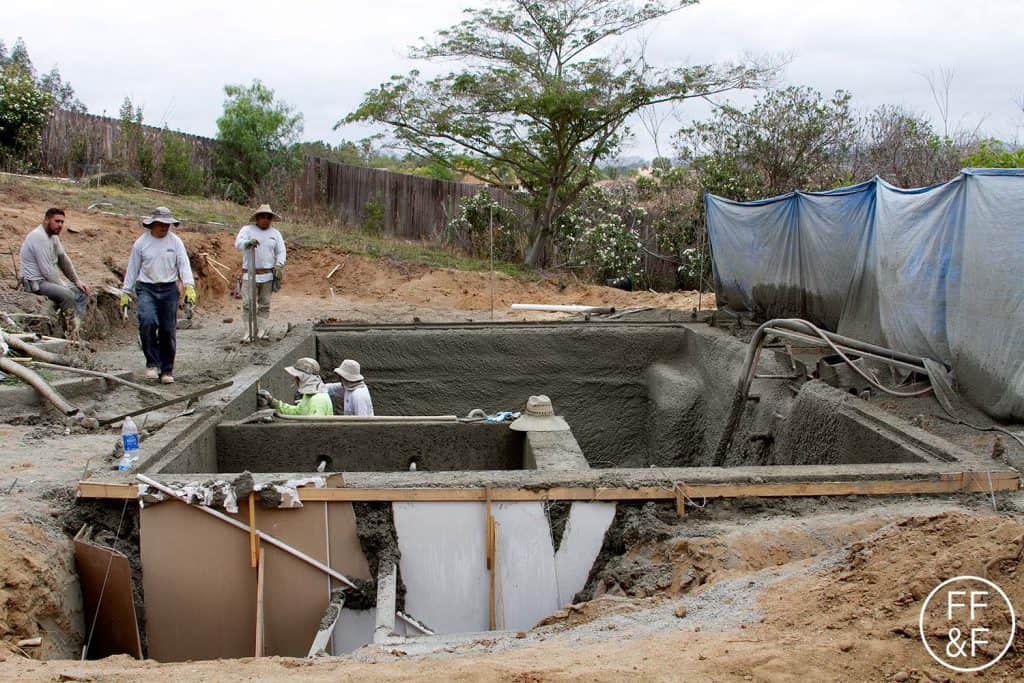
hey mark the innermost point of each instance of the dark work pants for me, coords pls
(158, 322)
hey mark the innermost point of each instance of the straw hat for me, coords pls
(264, 208)
(539, 417)
(349, 371)
(161, 214)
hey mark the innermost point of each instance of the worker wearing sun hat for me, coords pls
(539, 416)
(157, 262)
(267, 244)
(314, 401)
(352, 388)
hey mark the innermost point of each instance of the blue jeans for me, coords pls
(158, 323)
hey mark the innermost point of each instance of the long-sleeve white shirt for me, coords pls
(43, 257)
(270, 252)
(157, 261)
(355, 402)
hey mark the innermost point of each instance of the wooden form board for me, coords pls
(201, 589)
(965, 482)
(106, 580)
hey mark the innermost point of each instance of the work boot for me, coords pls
(246, 339)
(152, 373)
(263, 334)
(166, 379)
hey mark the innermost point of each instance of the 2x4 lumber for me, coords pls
(259, 603)
(966, 482)
(387, 588)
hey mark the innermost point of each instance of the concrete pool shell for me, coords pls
(645, 402)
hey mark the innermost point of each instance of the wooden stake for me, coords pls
(680, 503)
(259, 604)
(254, 541)
(490, 554)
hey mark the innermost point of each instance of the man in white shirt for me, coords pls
(268, 244)
(352, 388)
(43, 261)
(158, 261)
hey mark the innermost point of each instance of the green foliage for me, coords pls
(257, 137)
(790, 139)
(136, 151)
(661, 164)
(177, 173)
(600, 233)
(470, 231)
(373, 216)
(24, 111)
(536, 104)
(995, 154)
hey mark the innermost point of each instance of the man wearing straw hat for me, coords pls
(158, 261)
(266, 242)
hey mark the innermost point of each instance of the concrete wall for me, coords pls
(368, 448)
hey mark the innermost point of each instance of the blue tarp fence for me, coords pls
(935, 271)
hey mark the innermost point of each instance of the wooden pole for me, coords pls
(252, 293)
(169, 402)
(259, 604)
(105, 375)
(254, 541)
(490, 555)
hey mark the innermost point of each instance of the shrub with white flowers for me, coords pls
(24, 110)
(600, 233)
(470, 230)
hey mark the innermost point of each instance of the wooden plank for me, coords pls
(108, 601)
(260, 583)
(254, 540)
(971, 482)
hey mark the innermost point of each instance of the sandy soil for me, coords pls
(795, 590)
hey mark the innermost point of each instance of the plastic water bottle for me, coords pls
(130, 443)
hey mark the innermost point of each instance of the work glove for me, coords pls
(125, 301)
(190, 294)
(264, 398)
(252, 243)
(279, 273)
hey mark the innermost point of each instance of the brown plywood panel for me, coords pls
(346, 553)
(198, 585)
(104, 573)
(296, 594)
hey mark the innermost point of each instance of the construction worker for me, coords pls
(158, 261)
(352, 387)
(314, 401)
(43, 261)
(270, 258)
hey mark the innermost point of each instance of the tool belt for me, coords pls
(264, 271)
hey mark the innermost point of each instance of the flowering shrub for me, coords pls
(600, 233)
(24, 110)
(470, 230)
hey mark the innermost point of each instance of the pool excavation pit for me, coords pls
(260, 535)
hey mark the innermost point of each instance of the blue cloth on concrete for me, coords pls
(158, 323)
(933, 271)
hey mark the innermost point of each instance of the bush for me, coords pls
(373, 216)
(470, 231)
(600, 234)
(24, 111)
(176, 170)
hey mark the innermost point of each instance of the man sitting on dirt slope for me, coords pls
(314, 401)
(268, 245)
(43, 259)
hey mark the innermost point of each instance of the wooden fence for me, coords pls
(411, 207)
(75, 144)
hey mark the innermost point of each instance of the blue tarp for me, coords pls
(935, 271)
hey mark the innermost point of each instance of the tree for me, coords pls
(60, 91)
(995, 154)
(790, 139)
(257, 137)
(904, 149)
(24, 111)
(136, 150)
(537, 103)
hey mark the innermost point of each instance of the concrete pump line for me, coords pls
(834, 342)
(369, 419)
(37, 383)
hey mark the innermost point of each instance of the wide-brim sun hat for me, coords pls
(303, 367)
(264, 208)
(349, 371)
(161, 214)
(539, 416)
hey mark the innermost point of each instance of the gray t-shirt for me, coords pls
(43, 258)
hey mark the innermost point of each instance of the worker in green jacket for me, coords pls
(306, 372)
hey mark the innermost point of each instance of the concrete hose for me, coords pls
(35, 351)
(39, 384)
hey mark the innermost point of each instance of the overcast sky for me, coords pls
(174, 57)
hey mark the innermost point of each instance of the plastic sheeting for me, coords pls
(933, 271)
